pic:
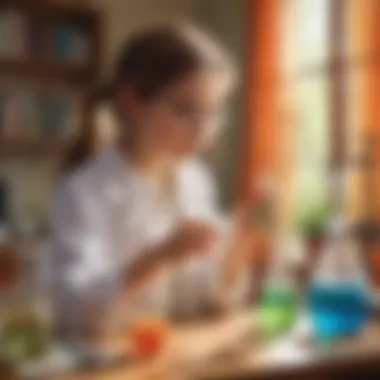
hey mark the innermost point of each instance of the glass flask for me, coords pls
(338, 297)
(25, 328)
(278, 308)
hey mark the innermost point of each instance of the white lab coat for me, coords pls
(103, 216)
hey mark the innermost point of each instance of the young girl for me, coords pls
(136, 225)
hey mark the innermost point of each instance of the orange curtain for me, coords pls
(364, 116)
(266, 139)
(262, 94)
(364, 108)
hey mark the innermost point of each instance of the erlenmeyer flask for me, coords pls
(279, 302)
(338, 297)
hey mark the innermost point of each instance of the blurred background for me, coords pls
(304, 118)
(304, 113)
(305, 102)
(59, 58)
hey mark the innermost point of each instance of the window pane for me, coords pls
(312, 132)
(310, 22)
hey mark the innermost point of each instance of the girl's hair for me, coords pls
(152, 61)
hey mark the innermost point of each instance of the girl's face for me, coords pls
(181, 121)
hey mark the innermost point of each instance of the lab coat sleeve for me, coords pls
(81, 275)
(211, 288)
(214, 291)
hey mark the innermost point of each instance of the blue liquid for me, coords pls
(337, 310)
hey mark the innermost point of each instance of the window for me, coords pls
(319, 61)
(307, 57)
(333, 66)
(324, 55)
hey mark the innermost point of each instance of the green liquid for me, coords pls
(23, 336)
(277, 311)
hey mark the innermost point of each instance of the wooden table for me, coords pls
(230, 349)
(190, 348)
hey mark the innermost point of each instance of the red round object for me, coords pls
(148, 337)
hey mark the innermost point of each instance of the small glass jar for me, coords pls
(279, 304)
(25, 325)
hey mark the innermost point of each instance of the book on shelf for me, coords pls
(71, 44)
(30, 114)
(22, 37)
(56, 113)
(37, 39)
(33, 114)
(11, 123)
(13, 35)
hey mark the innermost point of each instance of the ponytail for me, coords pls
(83, 144)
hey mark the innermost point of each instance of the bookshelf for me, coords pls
(31, 147)
(57, 48)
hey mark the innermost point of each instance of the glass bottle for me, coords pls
(278, 307)
(338, 297)
(25, 327)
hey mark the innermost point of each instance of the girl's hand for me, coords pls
(244, 231)
(191, 238)
(241, 253)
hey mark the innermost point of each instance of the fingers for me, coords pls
(196, 236)
(199, 236)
